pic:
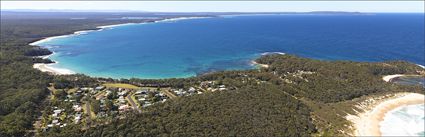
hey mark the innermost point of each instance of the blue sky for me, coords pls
(223, 6)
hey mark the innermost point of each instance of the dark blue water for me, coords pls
(189, 47)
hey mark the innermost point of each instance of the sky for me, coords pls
(223, 6)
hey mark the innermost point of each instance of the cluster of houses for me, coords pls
(147, 97)
(57, 117)
(212, 86)
(203, 87)
(188, 92)
(113, 101)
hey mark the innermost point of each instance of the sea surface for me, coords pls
(404, 121)
(410, 80)
(185, 48)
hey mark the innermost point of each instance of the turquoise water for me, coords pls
(189, 47)
(404, 121)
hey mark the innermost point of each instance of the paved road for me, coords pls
(89, 113)
(134, 105)
(168, 93)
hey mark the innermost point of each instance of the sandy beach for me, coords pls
(367, 122)
(56, 71)
(258, 64)
(389, 77)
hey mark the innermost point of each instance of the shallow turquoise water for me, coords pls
(189, 47)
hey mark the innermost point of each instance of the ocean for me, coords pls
(404, 121)
(184, 48)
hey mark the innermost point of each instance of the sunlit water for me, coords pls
(189, 47)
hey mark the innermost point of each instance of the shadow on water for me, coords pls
(410, 80)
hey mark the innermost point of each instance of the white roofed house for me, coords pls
(121, 99)
(99, 88)
(77, 108)
(192, 90)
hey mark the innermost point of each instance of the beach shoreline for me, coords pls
(55, 71)
(254, 63)
(47, 67)
(367, 123)
(388, 78)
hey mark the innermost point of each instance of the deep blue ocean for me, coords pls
(189, 47)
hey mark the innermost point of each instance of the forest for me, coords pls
(272, 101)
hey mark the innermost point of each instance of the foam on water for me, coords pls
(404, 121)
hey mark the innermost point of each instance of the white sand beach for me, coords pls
(367, 123)
(56, 71)
(258, 64)
(389, 77)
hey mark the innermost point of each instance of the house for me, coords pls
(122, 93)
(99, 88)
(121, 99)
(57, 111)
(69, 96)
(146, 104)
(50, 125)
(178, 92)
(123, 108)
(192, 89)
(144, 91)
(77, 118)
(77, 108)
(142, 99)
(55, 121)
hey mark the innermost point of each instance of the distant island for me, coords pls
(285, 95)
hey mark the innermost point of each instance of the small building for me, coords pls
(55, 121)
(191, 90)
(77, 108)
(123, 108)
(99, 88)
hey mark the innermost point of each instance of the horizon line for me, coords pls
(142, 11)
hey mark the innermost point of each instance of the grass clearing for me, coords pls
(121, 85)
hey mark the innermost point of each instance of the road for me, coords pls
(88, 111)
(168, 93)
(134, 105)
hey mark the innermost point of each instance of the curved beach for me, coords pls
(367, 123)
(56, 71)
(389, 77)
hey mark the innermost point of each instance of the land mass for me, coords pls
(292, 96)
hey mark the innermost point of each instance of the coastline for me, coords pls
(55, 71)
(368, 122)
(259, 65)
(47, 67)
(388, 78)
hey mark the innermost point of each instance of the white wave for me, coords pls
(269, 53)
(116, 25)
(421, 66)
(179, 18)
(404, 121)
